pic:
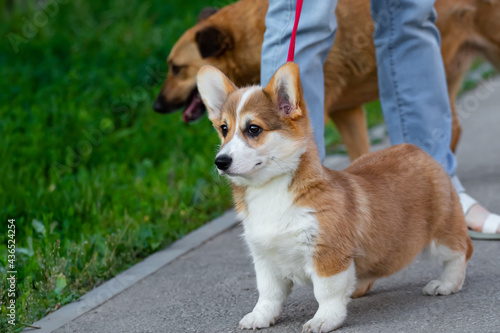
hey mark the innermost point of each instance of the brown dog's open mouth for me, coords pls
(194, 109)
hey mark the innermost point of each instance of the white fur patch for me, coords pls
(281, 238)
(453, 274)
(332, 293)
(245, 158)
(244, 97)
(279, 232)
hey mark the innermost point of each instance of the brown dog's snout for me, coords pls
(160, 104)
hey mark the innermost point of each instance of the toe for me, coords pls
(437, 287)
(431, 288)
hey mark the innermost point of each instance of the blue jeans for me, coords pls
(411, 76)
(315, 35)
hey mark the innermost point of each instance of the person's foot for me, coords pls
(479, 219)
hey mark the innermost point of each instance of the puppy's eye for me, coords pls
(176, 69)
(254, 130)
(224, 130)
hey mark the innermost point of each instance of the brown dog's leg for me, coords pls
(456, 69)
(454, 83)
(362, 287)
(456, 129)
(353, 129)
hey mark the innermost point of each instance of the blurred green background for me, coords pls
(94, 178)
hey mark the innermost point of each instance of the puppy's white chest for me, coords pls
(279, 233)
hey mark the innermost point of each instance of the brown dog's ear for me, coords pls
(286, 91)
(206, 13)
(213, 42)
(214, 88)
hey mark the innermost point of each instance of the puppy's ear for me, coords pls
(206, 13)
(214, 88)
(286, 91)
(213, 42)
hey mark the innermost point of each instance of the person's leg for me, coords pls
(315, 35)
(412, 85)
(412, 81)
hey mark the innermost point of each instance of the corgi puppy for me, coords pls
(339, 230)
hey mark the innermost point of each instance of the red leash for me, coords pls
(291, 49)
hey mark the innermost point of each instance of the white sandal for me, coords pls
(491, 224)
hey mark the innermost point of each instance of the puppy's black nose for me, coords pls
(223, 162)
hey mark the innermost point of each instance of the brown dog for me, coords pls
(231, 40)
(302, 222)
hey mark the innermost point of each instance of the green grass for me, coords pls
(95, 179)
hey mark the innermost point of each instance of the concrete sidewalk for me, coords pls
(210, 288)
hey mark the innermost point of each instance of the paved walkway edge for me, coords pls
(134, 274)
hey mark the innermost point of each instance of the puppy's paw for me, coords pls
(321, 325)
(325, 321)
(255, 320)
(437, 287)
